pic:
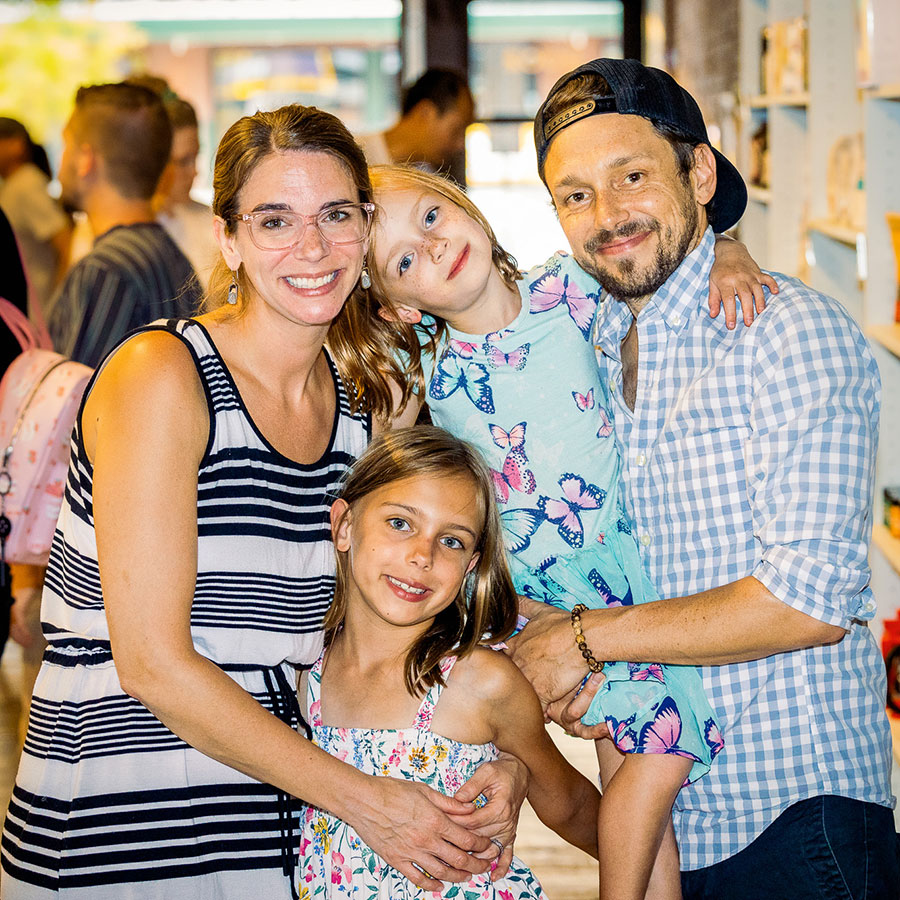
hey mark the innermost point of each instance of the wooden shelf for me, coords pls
(883, 91)
(887, 544)
(842, 233)
(759, 194)
(761, 101)
(886, 335)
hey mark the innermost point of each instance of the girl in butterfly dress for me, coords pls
(507, 363)
(422, 579)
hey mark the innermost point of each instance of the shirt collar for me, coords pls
(685, 291)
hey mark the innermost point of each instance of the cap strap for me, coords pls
(578, 111)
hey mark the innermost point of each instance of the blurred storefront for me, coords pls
(232, 57)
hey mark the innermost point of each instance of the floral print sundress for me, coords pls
(335, 863)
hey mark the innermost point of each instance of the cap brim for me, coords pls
(731, 194)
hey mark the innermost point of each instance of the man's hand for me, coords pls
(546, 653)
(568, 710)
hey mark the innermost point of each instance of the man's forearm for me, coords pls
(733, 623)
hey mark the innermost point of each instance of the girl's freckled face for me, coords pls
(431, 255)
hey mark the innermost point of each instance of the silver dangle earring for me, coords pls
(365, 279)
(231, 299)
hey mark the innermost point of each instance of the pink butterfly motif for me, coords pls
(584, 401)
(606, 426)
(509, 439)
(515, 360)
(714, 739)
(550, 290)
(496, 336)
(565, 512)
(515, 475)
(622, 733)
(605, 591)
(662, 734)
(463, 348)
(641, 672)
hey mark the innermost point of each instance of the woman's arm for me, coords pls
(735, 273)
(146, 427)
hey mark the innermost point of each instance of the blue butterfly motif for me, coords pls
(565, 513)
(473, 378)
(518, 527)
(605, 591)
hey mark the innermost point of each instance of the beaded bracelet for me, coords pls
(580, 640)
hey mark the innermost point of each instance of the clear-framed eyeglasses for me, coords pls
(279, 229)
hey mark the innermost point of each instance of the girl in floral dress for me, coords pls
(405, 687)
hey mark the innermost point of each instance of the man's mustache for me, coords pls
(604, 237)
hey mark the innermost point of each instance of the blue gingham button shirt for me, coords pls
(751, 452)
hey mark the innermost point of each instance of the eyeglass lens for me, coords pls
(337, 225)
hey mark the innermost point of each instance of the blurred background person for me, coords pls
(435, 110)
(42, 228)
(115, 147)
(188, 221)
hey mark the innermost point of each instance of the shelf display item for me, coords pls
(893, 220)
(787, 58)
(845, 182)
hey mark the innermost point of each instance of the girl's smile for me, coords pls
(411, 544)
(433, 257)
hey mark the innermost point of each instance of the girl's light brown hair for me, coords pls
(485, 607)
(365, 345)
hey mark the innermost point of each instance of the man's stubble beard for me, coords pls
(626, 282)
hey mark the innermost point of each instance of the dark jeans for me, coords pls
(824, 848)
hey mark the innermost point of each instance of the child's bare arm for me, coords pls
(562, 797)
(735, 272)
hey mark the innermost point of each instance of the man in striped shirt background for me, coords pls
(116, 145)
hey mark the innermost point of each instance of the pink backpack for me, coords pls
(40, 394)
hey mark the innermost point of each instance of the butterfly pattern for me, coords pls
(605, 593)
(514, 474)
(514, 360)
(519, 525)
(472, 379)
(550, 438)
(549, 291)
(565, 513)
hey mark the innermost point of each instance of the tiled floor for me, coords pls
(565, 872)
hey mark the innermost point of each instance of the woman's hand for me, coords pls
(504, 784)
(735, 273)
(546, 653)
(409, 826)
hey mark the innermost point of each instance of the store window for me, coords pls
(518, 49)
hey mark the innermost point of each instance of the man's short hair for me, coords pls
(441, 86)
(128, 127)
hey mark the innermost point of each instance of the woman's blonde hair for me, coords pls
(485, 606)
(365, 345)
(250, 141)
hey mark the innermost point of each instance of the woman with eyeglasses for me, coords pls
(192, 567)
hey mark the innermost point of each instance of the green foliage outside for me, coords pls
(44, 58)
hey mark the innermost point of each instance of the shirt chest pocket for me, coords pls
(702, 475)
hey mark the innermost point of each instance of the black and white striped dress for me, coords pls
(109, 804)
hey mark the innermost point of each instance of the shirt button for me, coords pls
(870, 606)
(646, 539)
(676, 321)
(612, 384)
(640, 459)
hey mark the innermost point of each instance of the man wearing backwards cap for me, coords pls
(747, 467)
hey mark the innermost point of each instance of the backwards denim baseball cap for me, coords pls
(639, 90)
